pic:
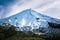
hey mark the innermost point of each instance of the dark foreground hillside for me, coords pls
(8, 32)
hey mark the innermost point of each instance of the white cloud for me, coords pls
(51, 9)
(47, 7)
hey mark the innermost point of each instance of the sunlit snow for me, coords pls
(23, 22)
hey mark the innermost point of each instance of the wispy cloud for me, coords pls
(1, 11)
(47, 7)
(51, 8)
(5, 7)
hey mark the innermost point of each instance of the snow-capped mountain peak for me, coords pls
(30, 18)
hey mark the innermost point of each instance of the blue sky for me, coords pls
(47, 7)
(5, 2)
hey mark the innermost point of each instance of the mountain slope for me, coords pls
(30, 14)
(29, 19)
